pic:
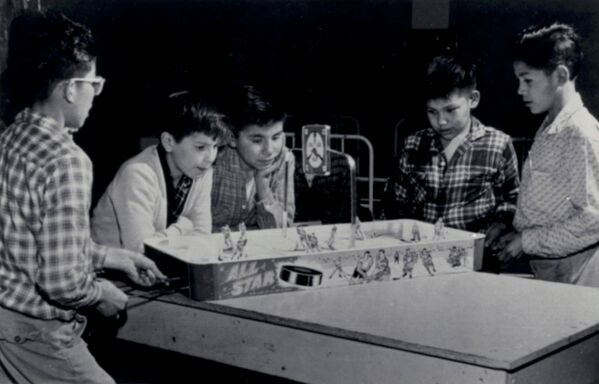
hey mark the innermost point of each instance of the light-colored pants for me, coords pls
(580, 269)
(45, 351)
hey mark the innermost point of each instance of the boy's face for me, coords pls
(192, 156)
(449, 116)
(259, 146)
(536, 87)
(83, 97)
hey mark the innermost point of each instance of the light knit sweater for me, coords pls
(134, 206)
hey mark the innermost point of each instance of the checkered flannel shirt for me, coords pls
(230, 205)
(47, 258)
(477, 187)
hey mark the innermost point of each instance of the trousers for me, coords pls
(46, 351)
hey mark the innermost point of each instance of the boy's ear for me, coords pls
(168, 141)
(474, 99)
(563, 74)
(69, 91)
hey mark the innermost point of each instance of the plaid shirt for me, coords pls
(47, 258)
(477, 187)
(230, 205)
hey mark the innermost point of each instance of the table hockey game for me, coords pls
(244, 263)
(331, 316)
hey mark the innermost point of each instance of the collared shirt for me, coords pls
(230, 205)
(175, 195)
(558, 206)
(476, 187)
(47, 259)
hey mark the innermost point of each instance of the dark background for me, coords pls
(355, 65)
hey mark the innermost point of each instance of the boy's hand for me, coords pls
(261, 176)
(493, 233)
(266, 172)
(112, 300)
(138, 268)
(512, 247)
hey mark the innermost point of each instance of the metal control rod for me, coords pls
(353, 195)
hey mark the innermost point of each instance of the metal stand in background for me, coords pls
(316, 160)
(353, 195)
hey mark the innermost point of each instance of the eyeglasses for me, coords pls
(96, 82)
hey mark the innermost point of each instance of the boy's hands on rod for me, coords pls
(139, 268)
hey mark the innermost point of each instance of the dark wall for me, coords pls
(354, 64)
(487, 27)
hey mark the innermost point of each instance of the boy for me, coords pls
(250, 173)
(164, 190)
(47, 259)
(557, 219)
(458, 170)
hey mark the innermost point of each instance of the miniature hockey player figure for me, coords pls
(359, 233)
(382, 271)
(241, 243)
(242, 230)
(427, 261)
(240, 248)
(415, 232)
(410, 258)
(331, 240)
(228, 243)
(302, 243)
(400, 232)
(439, 226)
(313, 242)
(363, 265)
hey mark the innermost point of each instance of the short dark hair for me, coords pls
(449, 73)
(248, 106)
(548, 47)
(186, 114)
(44, 48)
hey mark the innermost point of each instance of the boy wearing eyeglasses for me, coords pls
(253, 175)
(48, 261)
(165, 190)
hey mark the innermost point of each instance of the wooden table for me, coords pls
(457, 328)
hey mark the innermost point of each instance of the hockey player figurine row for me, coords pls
(238, 251)
(306, 241)
(415, 234)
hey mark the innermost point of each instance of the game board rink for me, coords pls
(277, 260)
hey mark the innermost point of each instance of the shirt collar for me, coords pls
(559, 122)
(476, 131)
(46, 123)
